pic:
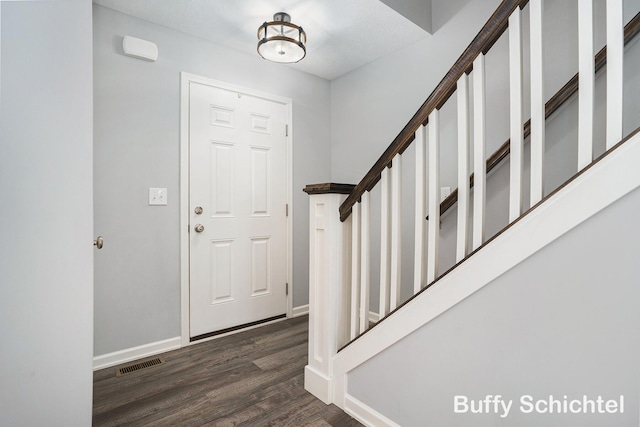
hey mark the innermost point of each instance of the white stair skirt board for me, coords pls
(300, 311)
(318, 384)
(596, 188)
(365, 414)
(134, 353)
(328, 390)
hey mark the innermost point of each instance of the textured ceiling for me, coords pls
(342, 35)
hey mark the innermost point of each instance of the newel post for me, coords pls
(329, 261)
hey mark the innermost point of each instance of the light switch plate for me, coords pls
(157, 196)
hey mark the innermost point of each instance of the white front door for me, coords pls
(237, 202)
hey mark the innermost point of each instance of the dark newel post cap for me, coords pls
(329, 188)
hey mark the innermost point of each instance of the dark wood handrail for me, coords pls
(486, 38)
(563, 95)
(631, 30)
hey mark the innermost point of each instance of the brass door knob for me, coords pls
(99, 242)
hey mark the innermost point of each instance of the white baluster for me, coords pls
(463, 168)
(396, 231)
(385, 242)
(365, 261)
(537, 102)
(615, 53)
(586, 81)
(516, 131)
(479, 162)
(434, 196)
(355, 271)
(421, 209)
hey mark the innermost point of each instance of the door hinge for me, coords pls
(188, 228)
(286, 130)
(286, 209)
(286, 289)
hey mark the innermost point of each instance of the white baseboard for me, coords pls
(300, 311)
(129, 354)
(365, 414)
(318, 384)
(374, 317)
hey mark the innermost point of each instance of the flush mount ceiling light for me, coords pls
(281, 41)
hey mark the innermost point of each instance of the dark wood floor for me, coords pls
(253, 378)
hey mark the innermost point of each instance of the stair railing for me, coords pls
(340, 258)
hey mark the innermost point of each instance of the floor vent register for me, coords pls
(139, 366)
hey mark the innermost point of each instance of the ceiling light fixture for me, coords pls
(281, 41)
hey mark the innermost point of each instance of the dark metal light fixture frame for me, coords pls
(281, 41)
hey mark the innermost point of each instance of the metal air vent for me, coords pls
(139, 365)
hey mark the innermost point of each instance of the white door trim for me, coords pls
(185, 79)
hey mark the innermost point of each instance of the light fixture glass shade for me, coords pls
(281, 41)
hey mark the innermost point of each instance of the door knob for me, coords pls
(99, 242)
(198, 210)
(199, 228)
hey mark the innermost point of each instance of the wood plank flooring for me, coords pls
(253, 378)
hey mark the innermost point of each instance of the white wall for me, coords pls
(46, 252)
(547, 327)
(137, 146)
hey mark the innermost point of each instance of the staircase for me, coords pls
(342, 336)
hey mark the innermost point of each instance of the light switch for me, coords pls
(157, 196)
